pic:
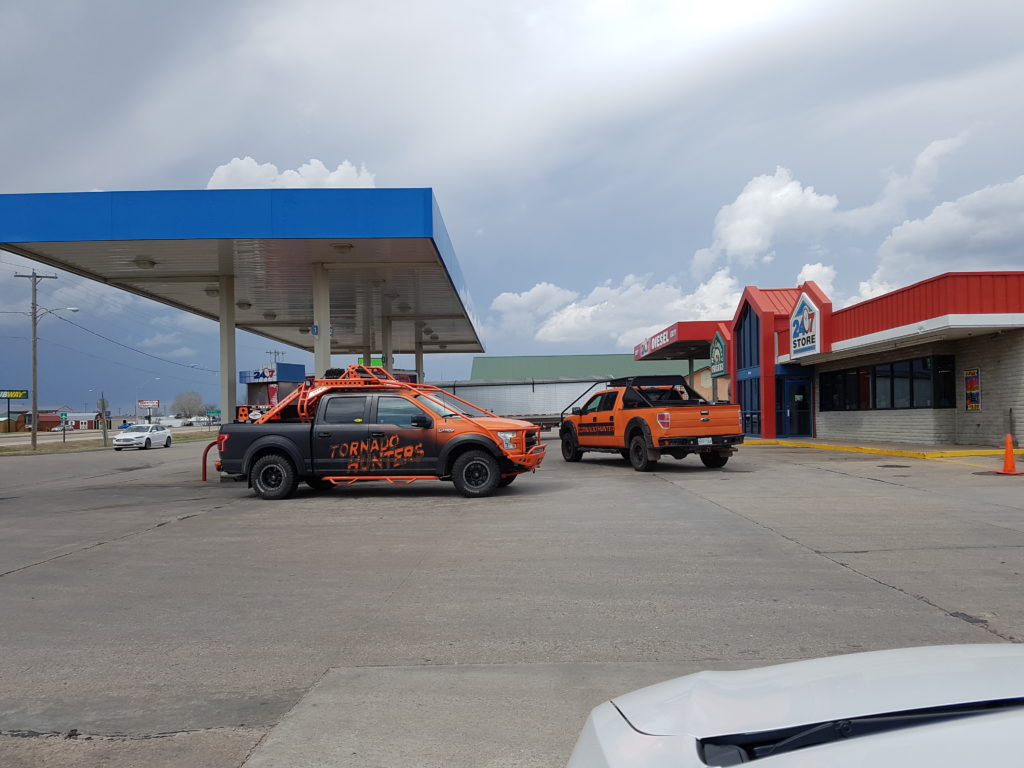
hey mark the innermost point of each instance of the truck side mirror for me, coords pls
(422, 420)
(577, 411)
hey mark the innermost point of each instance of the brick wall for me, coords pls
(902, 425)
(1000, 360)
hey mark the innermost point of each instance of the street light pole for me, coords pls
(35, 354)
(35, 277)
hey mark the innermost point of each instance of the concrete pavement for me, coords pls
(173, 623)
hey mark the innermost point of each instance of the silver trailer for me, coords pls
(537, 400)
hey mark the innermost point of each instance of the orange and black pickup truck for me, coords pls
(646, 417)
(362, 424)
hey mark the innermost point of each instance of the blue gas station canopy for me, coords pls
(386, 251)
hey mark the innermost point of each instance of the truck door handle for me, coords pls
(705, 418)
(376, 434)
(323, 434)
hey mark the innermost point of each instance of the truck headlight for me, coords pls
(509, 439)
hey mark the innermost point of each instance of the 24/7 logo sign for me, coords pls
(804, 328)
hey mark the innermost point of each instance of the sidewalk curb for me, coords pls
(912, 454)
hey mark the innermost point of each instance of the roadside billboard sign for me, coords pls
(149, 403)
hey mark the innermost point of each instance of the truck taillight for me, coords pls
(664, 419)
(222, 440)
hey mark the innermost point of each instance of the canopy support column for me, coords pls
(321, 319)
(418, 327)
(228, 363)
(387, 354)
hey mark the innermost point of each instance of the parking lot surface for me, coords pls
(151, 619)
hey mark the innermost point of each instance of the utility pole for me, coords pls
(275, 354)
(35, 278)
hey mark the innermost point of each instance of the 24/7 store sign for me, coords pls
(804, 328)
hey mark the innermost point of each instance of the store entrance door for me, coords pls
(798, 408)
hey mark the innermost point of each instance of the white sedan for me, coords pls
(143, 436)
(941, 706)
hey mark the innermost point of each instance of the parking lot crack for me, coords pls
(97, 544)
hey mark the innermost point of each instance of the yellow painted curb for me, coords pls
(885, 451)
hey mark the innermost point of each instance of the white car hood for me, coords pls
(720, 703)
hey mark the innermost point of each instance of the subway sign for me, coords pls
(13, 394)
(804, 328)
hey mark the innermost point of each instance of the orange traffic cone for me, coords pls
(1009, 464)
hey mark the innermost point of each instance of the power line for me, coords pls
(139, 351)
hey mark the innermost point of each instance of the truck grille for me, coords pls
(532, 438)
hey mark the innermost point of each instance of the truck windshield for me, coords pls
(449, 407)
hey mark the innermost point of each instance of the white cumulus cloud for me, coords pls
(622, 314)
(745, 228)
(246, 173)
(772, 207)
(980, 231)
(822, 274)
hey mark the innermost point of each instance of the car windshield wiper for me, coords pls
(746, 747)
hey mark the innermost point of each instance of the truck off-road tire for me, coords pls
(148, 444)
(319, 485)
(570, 448)
(273, 477)
(506, 481)
(476, 474)
(714, 460)
(638, 456)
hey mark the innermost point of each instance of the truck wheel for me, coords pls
(638, 456)
(570, 448)
(273, 477)
(714, 460)
(318, 484)
(476, 474)
(506, 481)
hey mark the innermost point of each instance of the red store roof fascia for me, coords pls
(952, 293)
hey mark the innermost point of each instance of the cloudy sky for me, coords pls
(604, 167)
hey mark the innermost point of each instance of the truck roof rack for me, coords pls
(666, 380)
(305, 397)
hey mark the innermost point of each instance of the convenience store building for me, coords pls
(940, 361)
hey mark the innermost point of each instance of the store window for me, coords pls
(748, 339)
(922, 382)
(750, 405)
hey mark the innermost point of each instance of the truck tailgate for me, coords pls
(698, 421)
